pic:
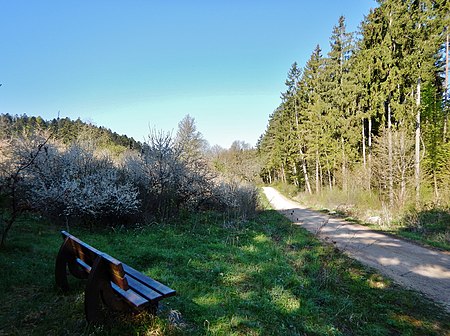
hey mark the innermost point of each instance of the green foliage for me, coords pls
(263, 277)
(353, 113)
(67, 131)
(240, 161)
(430, 226)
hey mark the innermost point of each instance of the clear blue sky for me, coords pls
(128, 65)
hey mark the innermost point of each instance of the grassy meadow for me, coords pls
(259, 277)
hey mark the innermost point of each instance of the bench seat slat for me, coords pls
(134, 285)
(155, 285)
(83, 265)
(131, 296)
(142, 289)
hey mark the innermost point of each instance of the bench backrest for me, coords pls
(88, 255)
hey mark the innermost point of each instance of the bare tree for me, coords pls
(395, 148)
(12, 172)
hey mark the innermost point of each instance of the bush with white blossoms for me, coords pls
(77, 183)
(167, 183)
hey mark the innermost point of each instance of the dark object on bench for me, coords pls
(118, 285)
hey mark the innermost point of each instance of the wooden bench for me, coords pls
(110, 281)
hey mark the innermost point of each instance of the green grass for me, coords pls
(429, 226)
(262, 277)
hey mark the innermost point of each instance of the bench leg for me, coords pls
(92, 295)
(98, 290)
(66, 260)
(153, 308)
(62, 260)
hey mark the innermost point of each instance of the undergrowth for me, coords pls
(429, 225)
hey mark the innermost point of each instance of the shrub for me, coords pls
(167, 182)
(74, 182)
(77, 182)
(239, 199)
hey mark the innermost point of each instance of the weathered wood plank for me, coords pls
(88, 254)
(143, 289)
(155, 285)
(133, 298)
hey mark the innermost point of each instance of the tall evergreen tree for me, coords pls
(291, 105)
(387, 90)
(340, 96)
(317, 134)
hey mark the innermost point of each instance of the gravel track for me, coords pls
(415, 267)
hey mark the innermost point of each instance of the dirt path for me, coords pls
(415, 267)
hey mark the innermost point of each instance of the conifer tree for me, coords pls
(291, 104)
(386, 90)
(340, 95)
(314, 112)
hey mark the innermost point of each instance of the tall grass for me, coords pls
(427, 224)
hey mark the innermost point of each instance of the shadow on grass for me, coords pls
(429, 226)
(261, 277)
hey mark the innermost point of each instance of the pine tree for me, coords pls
(291, 105)
(340, 96)
(316, 130)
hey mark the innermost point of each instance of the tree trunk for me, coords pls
(363, 143)
(344, 167)
(390, 158)
(321, 175)
(317, 172)
(417, 145)
(294, 170)
(330, 181)
(403, 167)
(305, 173)
(436, 190)
(446, 88)
(369, 143)
(302, 156)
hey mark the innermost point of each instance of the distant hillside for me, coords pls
(64, 129)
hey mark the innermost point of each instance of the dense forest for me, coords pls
(371, 116)
(65, 130)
